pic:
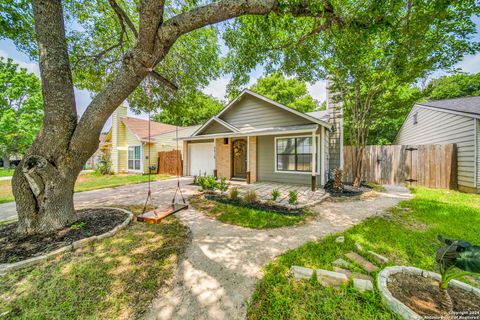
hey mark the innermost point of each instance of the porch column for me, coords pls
(314, 162)
(322, 156)
(248, 160)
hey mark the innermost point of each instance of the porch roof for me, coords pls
(259, 132)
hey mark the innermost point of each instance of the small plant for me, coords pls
(223, 185)
(293, 197)
(456, 259)
(207, 183)
(275, 194)
(104, 166)
(233, 195)
(337, 181)
(250, 196)
(78, 226)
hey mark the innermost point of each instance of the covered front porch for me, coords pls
(282, 155)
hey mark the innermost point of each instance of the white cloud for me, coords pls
(470, 63)
(318, 90)
(30, 66)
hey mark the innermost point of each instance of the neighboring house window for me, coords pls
(294, 154)
(134, 158)
(415, 118)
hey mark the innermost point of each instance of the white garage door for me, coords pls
(202, 158)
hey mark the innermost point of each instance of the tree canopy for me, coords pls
(290, 92)
(20, 108)
(453, 86)
(192, 109)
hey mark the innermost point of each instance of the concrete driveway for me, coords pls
(162, 192)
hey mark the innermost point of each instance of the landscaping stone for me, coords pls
(331, 278)
(378, 257)
(359, 247)
(362, 262)
(301, 272)
(341, 263)
(340, 239)
(351, 274)
(362, 285)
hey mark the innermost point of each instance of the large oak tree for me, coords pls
(147, 32)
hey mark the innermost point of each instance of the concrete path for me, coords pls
(223, 263)
(162, 192)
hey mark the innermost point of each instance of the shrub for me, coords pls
(293, 197)
(207, 183)
(250, 196)
(223, 185)
(275, 194)
(104, 166)
(233, 194)
(337, 182)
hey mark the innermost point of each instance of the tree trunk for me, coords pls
(44, 194)
(357, 166)
(6, 161)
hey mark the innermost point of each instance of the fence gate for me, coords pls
(170, 162)
(433, 166)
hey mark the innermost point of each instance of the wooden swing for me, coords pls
(156, 215)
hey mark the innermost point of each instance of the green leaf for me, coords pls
(469, 259)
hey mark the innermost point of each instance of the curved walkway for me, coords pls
(223, 262)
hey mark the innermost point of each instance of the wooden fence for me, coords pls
(170, 162)
(433, 166)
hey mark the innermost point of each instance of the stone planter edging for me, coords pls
(11, 267)
(396, 305)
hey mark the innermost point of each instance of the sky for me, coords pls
(217, 87)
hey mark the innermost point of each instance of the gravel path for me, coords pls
(223, 262)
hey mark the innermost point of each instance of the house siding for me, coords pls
(437, 127)
(215, 127)
(477, 154)
(254, 113)
(266, 163)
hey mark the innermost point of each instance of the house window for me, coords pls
(294, 154)
(415, 118)
(134, 158)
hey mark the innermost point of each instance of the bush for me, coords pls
(337, 182)
(275, 194)
(207, 183)
(104, 166)
(223, 185)
(250, 196)
(233, 194)
(293, 197)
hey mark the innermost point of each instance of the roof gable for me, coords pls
(468, 105)
(139, 127)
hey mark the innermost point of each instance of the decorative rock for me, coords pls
(340, 239)
(301, 272)
(359, 247)
(362, 285)
(361, 261)
(351, 275)
(331, 278)
(346, 272)
(378, 257)
(341, 263)
(10, 267)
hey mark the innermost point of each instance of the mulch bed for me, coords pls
(422, 295)
(91, 222)
(257, 205)
(347, 191)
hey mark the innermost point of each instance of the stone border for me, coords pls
(398, 307)
(11, 267)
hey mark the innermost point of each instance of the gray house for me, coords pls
(448, 121)
(257, 139)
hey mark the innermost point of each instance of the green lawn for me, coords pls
(245, 217)
(89, 181)
(407, 236)
(6, 172)
(116, 278)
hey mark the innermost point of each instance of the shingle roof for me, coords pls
(140, 127)
(322, 114)
(466, 104)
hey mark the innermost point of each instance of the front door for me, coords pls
(240, 158)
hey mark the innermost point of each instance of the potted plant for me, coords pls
(456, 259)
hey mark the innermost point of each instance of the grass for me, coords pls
(6, 172)
(245, 217)
(116, 278)
(89, 181)
(407, 235)
(375, 187)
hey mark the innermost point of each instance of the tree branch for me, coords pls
(123, 17)
(164, 81)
